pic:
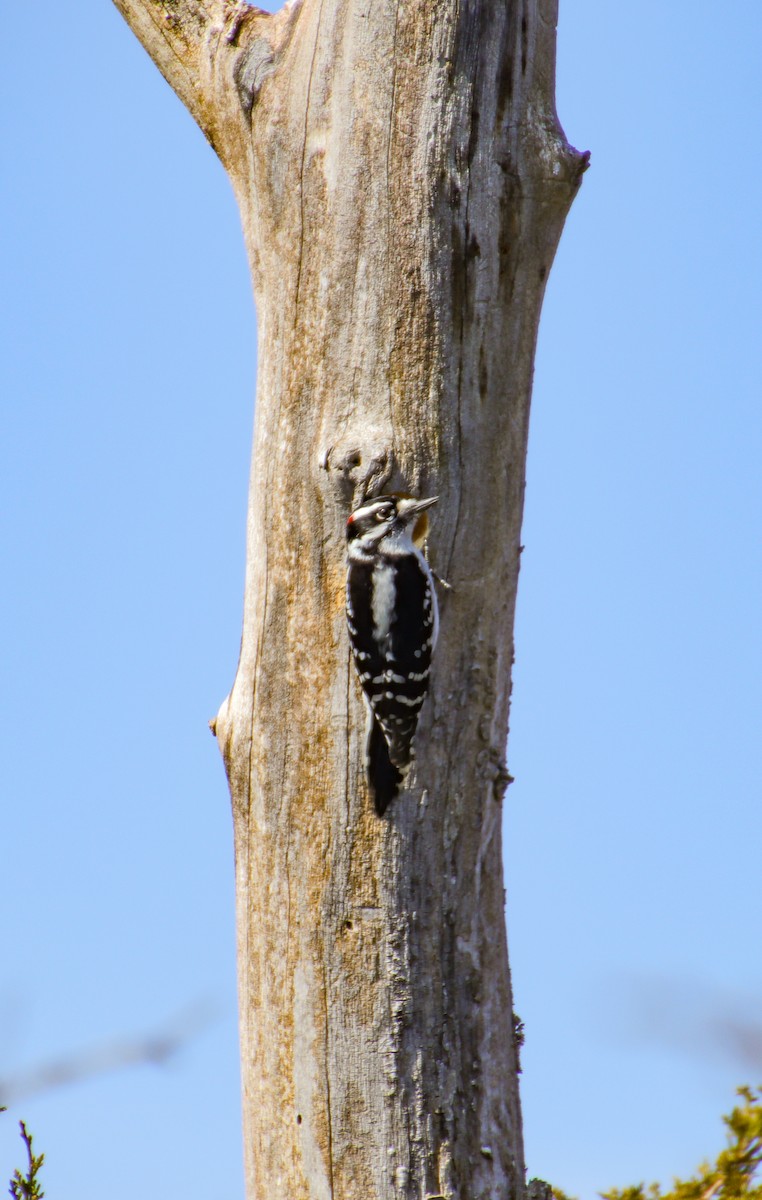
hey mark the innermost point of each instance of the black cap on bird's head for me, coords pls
(388, 514)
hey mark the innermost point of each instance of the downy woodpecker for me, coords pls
(393, 623)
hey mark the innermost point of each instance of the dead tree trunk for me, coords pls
(403, 181)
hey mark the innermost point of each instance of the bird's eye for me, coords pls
(383, 514)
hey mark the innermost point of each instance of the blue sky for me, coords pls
(633, 830)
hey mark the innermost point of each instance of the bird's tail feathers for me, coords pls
(400, 743)
(385, 776)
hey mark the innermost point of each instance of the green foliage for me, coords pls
(27, 1187)
(731, 1177)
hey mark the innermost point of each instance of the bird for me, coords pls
(393, 623)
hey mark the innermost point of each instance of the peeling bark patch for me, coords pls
(473, 249)
(473, 137)
(483, 374)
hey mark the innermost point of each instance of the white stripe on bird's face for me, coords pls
(376, 510)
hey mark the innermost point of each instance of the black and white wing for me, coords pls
(392, 618)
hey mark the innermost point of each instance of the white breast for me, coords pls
(382, 605)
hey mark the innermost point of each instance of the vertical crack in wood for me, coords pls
(300, 256)
(327, 1065)
(289, 834)
(390, 133)
(347, 741)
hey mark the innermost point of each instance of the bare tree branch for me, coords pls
(156, 1048)
(184, 38)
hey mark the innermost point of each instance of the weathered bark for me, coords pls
(403, 181)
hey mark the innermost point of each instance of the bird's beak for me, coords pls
(407, 509)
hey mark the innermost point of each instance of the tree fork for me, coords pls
(403, 181)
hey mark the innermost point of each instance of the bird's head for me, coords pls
(375, 519)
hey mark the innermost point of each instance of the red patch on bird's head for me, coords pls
(351, 519)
